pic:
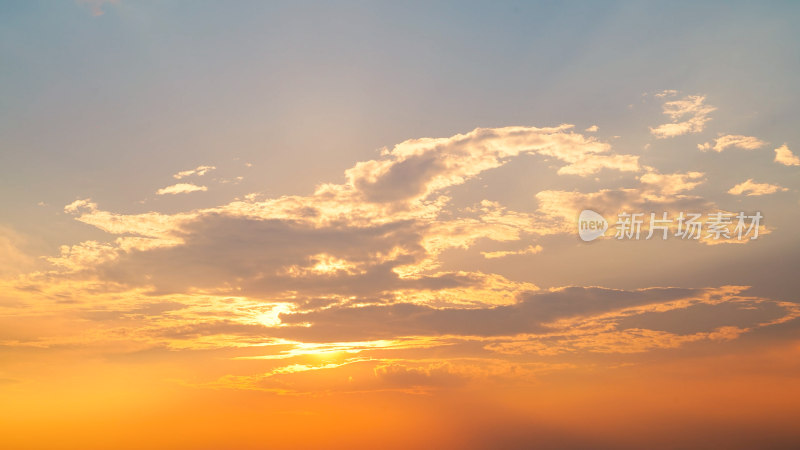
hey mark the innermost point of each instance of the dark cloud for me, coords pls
(251, 256)
(347, 323)
(403, 180)
(393, 320)
(704, 317)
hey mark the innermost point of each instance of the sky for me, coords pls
(356, 224)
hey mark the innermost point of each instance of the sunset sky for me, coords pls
(355, 224)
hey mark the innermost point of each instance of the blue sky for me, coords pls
(110, 103)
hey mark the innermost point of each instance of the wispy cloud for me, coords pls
(666, 93)
(689, 115)
(733, 140)
(751, 188)
(673, 183)
(199, 171)
(181, 188)
(529, 250)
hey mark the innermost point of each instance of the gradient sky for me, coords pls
(353, 224)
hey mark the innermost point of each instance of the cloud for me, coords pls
(666, 93)
(139, 232)
(286, 260)
(382, 229)
(751, 188)
(529, 250)
(240, 254)
(416, 168)
(85, 255)
(533, 313)
(80, 204)
(631, 340)
(689, 115)
(785, 156)
(181, 188)
(588, 165)
(592, 129)
(320, 244)
(733, 140)
(149, 225)
(366, 260)
(657, 193)
(671, 184)
(654, 192)
(565, 320)
(199, 171)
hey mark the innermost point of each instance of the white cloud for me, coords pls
(199, 171)
(751, 188)
(592, 129)
(77, 205)
(181, 188)
(591, 164)
(672, 183)
(689, 115)
(733, 140)
(785, 156)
